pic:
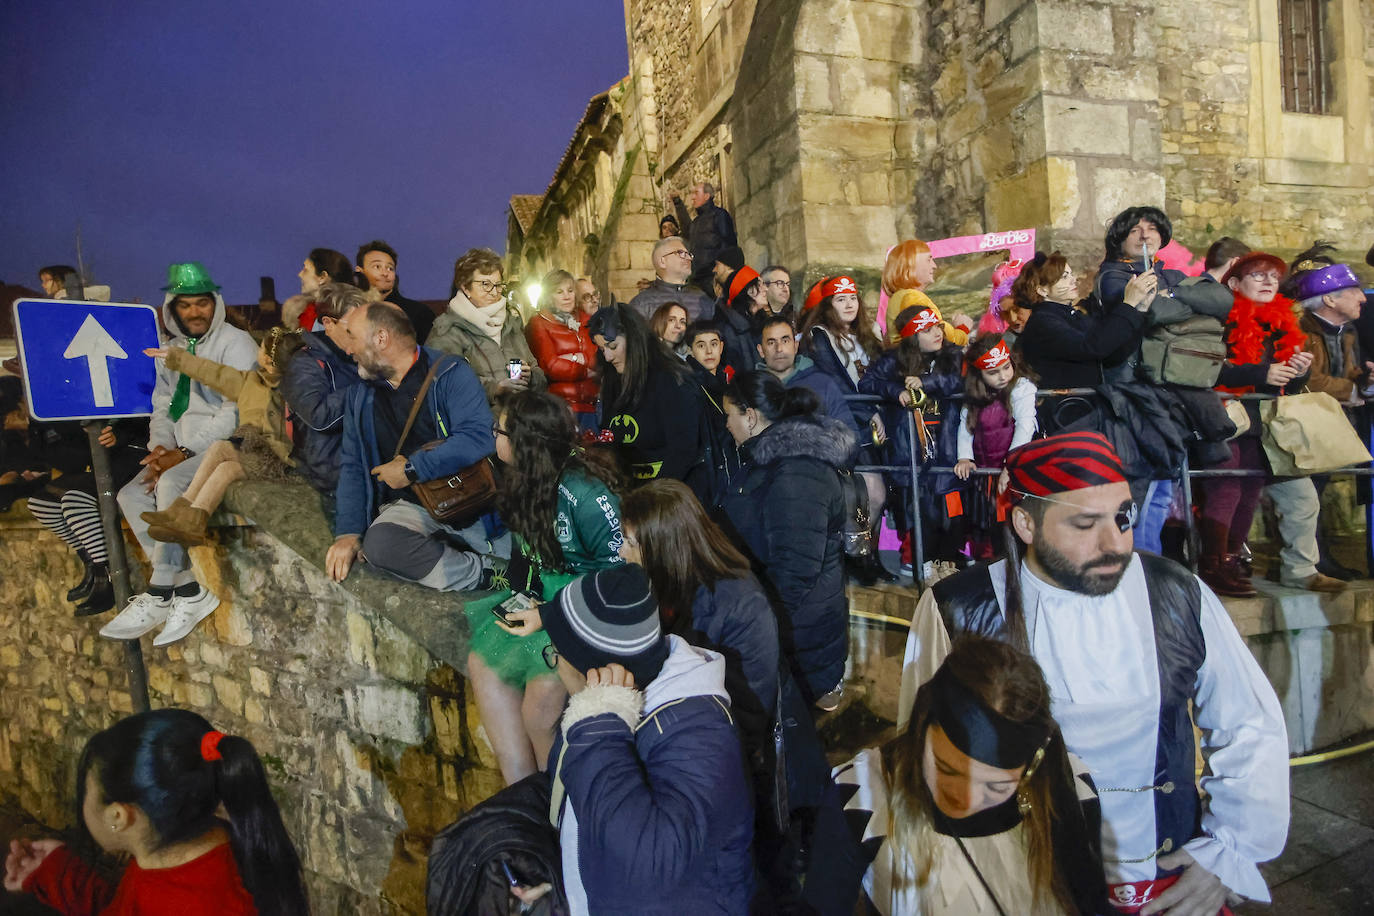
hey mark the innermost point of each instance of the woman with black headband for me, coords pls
(974, 809)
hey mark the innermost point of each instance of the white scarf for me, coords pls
(488, 319)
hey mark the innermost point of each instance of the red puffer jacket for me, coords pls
(553, 343)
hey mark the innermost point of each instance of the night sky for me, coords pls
(243, 135)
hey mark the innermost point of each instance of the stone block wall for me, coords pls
(1233, 162)
(371, 743)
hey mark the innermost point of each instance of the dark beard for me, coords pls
(1099, 576)
(372, 367)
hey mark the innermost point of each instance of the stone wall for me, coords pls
(371, 742)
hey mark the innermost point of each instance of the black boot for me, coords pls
(101, 597)
(82, 590)
(879, 571)
(859, 572)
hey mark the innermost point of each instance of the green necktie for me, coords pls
(181, 398)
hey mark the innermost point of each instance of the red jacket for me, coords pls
(205, 886)
(552, 342)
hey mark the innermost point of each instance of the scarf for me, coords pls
(488, 319)
(570, 320)
(1253, 326)
(181, 398)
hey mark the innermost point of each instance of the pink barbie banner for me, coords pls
(1020, 243)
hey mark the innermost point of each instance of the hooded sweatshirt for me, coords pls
(655, 812)
(210, 416)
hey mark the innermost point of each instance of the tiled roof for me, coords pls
(526, 208)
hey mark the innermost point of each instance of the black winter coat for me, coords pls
(1067, 348)
(787, 509)
(511, 827)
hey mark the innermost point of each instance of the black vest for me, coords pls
(968, 604)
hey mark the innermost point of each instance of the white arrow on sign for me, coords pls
(95, 344)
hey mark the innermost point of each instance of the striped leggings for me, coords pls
(75, 518)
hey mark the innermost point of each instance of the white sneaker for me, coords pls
(141, 614)
(186, 613)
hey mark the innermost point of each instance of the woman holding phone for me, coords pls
(483, 326)
(561, 502)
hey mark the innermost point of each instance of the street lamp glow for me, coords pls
(532, 292)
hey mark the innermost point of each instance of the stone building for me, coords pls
(834, 128)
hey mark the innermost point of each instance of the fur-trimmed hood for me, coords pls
(810, 436)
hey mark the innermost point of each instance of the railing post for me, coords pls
(1185, 479)
(918, 547)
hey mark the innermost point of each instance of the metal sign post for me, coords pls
(84, 361)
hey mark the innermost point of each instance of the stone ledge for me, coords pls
(293, 514)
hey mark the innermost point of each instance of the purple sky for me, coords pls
(243, 135)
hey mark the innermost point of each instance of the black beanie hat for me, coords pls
(732, 257)
(608, 616)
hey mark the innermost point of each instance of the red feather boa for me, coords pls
(1254, 327)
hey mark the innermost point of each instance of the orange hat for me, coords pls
(739, 280)
(815, 294)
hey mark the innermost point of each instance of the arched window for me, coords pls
(1304, 56)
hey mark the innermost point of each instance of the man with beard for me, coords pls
(1127, 641)
(376, 513)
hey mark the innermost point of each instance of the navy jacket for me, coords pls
(655, 811)
(315, 387)
(942, 381)
(807, 375)
(459, 407)
(787, 510)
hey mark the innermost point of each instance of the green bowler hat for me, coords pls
(189, 279)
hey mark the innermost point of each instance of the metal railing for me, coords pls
(1184, 478)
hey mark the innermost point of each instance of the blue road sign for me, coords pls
(84, 360)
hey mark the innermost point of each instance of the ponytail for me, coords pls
(267, 859)
(763, 392)
(179, 770)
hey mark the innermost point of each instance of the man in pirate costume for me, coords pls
(1127, 641)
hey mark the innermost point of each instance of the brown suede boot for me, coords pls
(1233, 571)
(181, 526)
(181, 503)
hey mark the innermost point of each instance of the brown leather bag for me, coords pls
(456, 499)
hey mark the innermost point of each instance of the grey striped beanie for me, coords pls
(608, 616)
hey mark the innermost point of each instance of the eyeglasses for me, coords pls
(786, 283)
(680, 252)
(1260, 276)
(496, 430)
(488, 286)
(591, 297)
(551, 657)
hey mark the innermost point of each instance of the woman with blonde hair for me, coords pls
(976, 805)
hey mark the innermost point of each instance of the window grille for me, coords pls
(1303, 54)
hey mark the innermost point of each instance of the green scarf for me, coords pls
(181, 398)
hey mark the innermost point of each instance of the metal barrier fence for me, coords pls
(1184, 478)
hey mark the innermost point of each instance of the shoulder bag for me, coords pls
(455, 499)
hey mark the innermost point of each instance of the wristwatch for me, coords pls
(411, 474)
(186, 452)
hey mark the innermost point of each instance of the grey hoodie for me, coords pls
(210, 416)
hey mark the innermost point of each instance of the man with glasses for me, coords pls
(588, 299)
(777, 282)
(376, 267)
(1129, 643)
(672, 270)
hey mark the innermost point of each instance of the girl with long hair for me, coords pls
(842, 340)
(788, 509)
(651, 411)
(561, 502)
(977, 805)
(708, 595)
(923, 371)
(558, 337)
(669, 323)
(321, 266)
(998, 415)
(191, 807)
